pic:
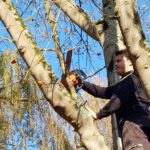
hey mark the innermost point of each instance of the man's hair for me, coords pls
(122, 52)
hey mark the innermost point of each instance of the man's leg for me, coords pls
(134, 138)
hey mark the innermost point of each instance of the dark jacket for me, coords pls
(127, 100)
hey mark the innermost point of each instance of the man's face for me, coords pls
(122, 64)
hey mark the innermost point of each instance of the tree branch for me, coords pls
(78, 16)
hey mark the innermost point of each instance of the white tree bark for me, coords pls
(113, 40)
(52, 89)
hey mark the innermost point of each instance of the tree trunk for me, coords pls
(113, 41)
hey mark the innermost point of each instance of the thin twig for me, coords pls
(6, 39)
(95, 72)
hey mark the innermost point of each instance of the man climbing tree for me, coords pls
(128, 100)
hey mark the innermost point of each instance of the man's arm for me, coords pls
(97, 91)
(112, 106)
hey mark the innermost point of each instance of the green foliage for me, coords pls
(23, 115)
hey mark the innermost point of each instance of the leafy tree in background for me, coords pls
(26, 120)
(118, 28)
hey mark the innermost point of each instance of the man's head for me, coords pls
(123, 63)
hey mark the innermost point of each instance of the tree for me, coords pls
(111, 32)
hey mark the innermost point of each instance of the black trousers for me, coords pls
(134, 137)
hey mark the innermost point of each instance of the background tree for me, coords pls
(27, 121)
(107, 30)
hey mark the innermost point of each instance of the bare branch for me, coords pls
(6, 39)
(55, 36)
(78, 16)
(96, 72)
(99, 8)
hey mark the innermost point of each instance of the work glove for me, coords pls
(77, 76)
(93, 114)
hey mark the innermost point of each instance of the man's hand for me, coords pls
(93, 114)
(74, 78)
